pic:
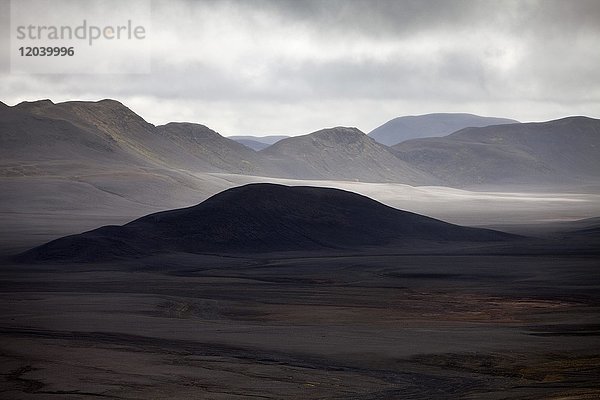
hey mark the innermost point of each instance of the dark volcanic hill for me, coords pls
(341, 153)
(564, 151)
(261, 218)
(430, 125)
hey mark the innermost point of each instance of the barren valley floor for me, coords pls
(347, 327)
(363, 326)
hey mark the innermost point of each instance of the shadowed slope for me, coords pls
(215, 151)
(252, 144)
(262, 218)
(258, 142)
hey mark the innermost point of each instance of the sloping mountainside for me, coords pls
(259, 218)
(564, 151)
(252, 144)
(430, 125)
(68, 156)
(258, 142)
(215, 151)
(341, 153)
(83, 138)
(42, 132)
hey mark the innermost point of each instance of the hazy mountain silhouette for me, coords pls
(430, 125)
(341, 153)
(258, 142)
(262, 218)
(563, 151)
(589, 227)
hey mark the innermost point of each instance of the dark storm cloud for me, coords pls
(374, 18)
(409, 17)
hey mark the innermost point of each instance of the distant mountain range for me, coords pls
(104, 135)
(258, 142)
(108, 146)
(263, 218)
(565, 151)
(107, 132)
(430, 125)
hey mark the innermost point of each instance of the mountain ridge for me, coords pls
(341, 153)
(80, 139)
(559, 151)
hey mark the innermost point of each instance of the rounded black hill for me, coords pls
(259, 218)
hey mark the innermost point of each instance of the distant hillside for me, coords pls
(261, 218)
(42, 137)
(430, 125)
(257, 142)
(341, 153)
(564, 151)
(43, 132)
(216, 152)
(106, 133)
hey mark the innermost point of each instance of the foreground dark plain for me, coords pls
(364, 326)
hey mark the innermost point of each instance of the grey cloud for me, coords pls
(408, 17)
(478, 56)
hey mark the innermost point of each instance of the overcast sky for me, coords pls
(292, 67)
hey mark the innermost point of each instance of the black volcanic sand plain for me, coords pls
(304, 327)
(495, 318)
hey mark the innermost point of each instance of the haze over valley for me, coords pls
(101, 160)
